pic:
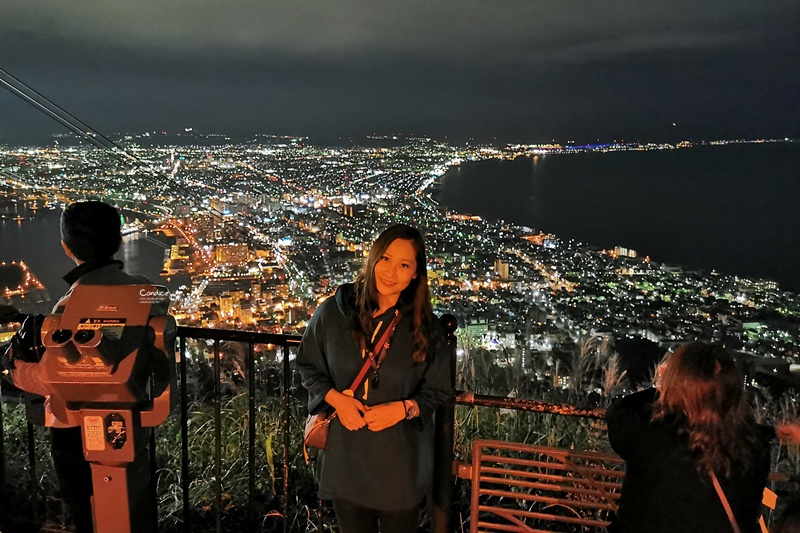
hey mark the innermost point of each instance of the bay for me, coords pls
(35, 238)
(732, 208)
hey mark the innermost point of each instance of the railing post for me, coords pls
(153, 479)
(251, 433)
(217, 439)
(184, 437)
(34, 483)
(443, 441)
(287, 376)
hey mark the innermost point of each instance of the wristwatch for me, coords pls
(411, 409)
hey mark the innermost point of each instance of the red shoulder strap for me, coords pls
(379, 348)
(724, 501)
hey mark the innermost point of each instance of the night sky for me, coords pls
(515, 70)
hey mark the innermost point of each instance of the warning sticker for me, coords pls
(111, 328)
(93, 433)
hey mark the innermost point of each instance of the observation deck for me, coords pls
(230, 457)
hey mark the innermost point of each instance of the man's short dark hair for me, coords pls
(91, 230)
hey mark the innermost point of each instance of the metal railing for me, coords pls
(284, 342)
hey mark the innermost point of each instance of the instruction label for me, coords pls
(111, 328)
(94, 433)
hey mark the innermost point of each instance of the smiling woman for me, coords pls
(377, 465)
(394, 271)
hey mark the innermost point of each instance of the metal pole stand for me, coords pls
(109, 445)
(110, 506)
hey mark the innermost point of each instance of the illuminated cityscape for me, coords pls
(264, 231)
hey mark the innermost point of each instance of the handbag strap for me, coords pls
(353, 387)
(378, 351)
(380, 346)
(724, 501)
(359, 377)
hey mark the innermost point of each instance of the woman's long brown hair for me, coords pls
(702, 389)
(414, 300)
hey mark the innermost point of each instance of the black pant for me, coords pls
(353, 518)
(74, 476)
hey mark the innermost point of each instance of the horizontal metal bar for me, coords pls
(500, 459)
(254, 337)
(550, 500)
(551, 487)
(550, 465)
(780, 477)
(553, 452)
(521, 525)
(544, 516)
(522, 404)
(489, 528)
(547, 477)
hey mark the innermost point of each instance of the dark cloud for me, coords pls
(514, 69)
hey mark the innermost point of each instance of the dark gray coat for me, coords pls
(392, 469)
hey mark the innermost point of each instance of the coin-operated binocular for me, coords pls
(109, 363)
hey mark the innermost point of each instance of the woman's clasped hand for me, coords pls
(355, 415)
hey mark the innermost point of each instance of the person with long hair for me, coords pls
(377, 466)
(694, 430)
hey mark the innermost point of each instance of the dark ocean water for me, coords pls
(733, 208)
(37, 240)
